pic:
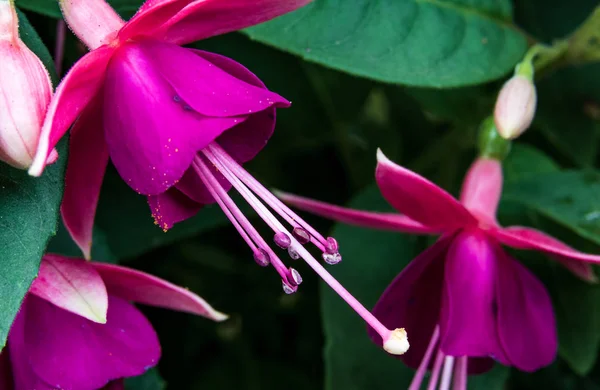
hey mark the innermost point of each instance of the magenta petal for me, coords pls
(468, 318)
(171, 207)
(196, 20)
(88, 157)
(528, 238)
(526, 324)
(73, 94)
(370, 219)
(6, 377)
(22, 373)
(152, 134)
(418, 198)
(482, 188)
(71, 352)
(115, 385)
(412, 301)
(73, 285)
(207, 88)
(140, 287)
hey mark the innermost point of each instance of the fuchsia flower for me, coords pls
(77, 330)
(25, 91)
(464, 297)
(177, 123)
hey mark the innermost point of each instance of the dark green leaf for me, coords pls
(151, 380)
(28, 214)
(492, 380)
(422, 43)
(30, 37)
(524, 161)
(50, 7)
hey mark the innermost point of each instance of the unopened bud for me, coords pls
(25, 91)
(515, 106)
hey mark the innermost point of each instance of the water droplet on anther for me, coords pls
(261, 257)
(293, 254)
(176, 99)
(301, 235)
(282, 240)
(297, 278)
(332, 258)
(287, 288)
(332, 246)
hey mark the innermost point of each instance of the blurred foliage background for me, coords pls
(416, 79)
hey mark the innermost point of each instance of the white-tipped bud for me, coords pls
(397, 342)
(25, 91)
(515, 107)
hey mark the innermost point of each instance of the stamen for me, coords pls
(301, 235)
(420, 374)
(437, 368)
(261, 257)
(282, 240)
(460, 374)
(287, 288)
(332, 246)
(332, 259)
(447, 373)
(293, 254)
(297, 279)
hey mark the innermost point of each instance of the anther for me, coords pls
(294, 255)
(287, 288)
(282, 240)
(296, 277)
(332, 258)
(397, 342)
(301, 235)
(332, 246)
(261, 257)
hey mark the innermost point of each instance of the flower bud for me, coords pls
(515, 106)
(25, 91)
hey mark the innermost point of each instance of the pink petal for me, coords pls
(71, 352)
(370, 219)
(200, 19)
(88, 157)
(482, 188)
(140, 287)
(412, 301)
(420, 199)
(526, 324)
(528, 238)
(73, 285)
(171, 207)
(73, 94)
(468, 318)
(115, 385)
(94, 22)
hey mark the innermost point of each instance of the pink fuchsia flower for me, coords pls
(177, 124)
(464, 296)
(25, 91)
(78, 330)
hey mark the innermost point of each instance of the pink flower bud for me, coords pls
(515, 107)
(25, 91)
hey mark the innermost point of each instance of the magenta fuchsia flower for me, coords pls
(25, 91)
(177, 124)
(465, 297)
(78, 330)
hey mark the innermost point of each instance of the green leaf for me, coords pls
(433, 43)
(525, 160)
(569, 198)
(352, 361)
(151, 380)
(28, 214)
(495, 379)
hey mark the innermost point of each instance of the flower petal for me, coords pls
(22, 374)
(140, 287)
(71, 352)
(370, 219)
(73, 285)
(94, 22)
(200, 19)
(151, 132)
(482, 188)
(6, 377)
(468, 318)
(412, 301)
(88, 158)
(72, 95)
(526, 324)
(418, 198)
(115, 385)
(171, 207)
(520, 237)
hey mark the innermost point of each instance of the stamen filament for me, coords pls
(420, 374)
(273, 202)
(447, 373)
(460, 374)
(437, 368)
